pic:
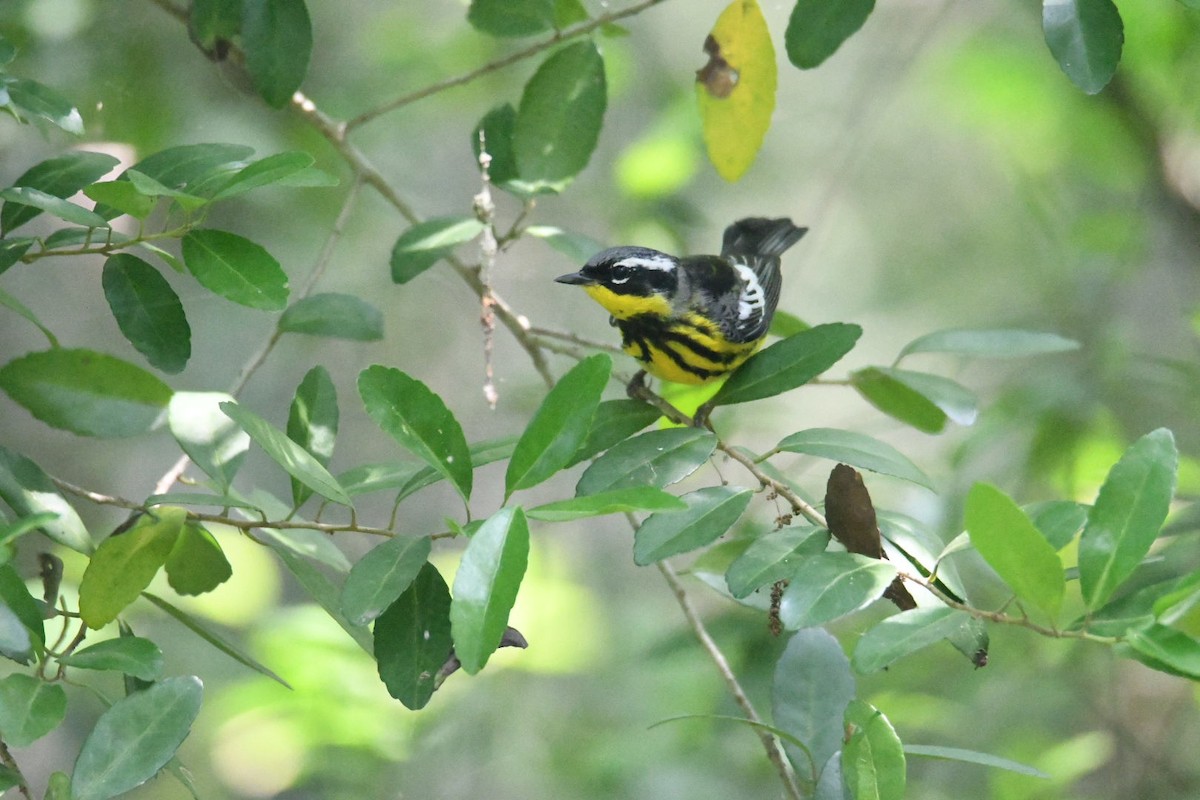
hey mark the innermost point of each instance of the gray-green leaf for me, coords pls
(339, 316)
(235, 268)
(135, 738)
(148, 311)
(710, 513)
(86, 392)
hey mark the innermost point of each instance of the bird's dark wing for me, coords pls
(753, 246)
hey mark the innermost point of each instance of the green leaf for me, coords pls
(559, 119)
(34, 99)
(216, 640)
(211, 21)
(1127, 515)
(904, 634)
(381, 576)
(294, 459)
(16, 305)
(339, 316)
(1161, 646)
(235, 268)
(614, 421)
(637, 498)
(710, 513)
(277, 40)
(788, 363)
(812, 686)
(486, 584)
(784, 324)
(131, 655)
(148, 311)
(735, 91)
(856, 449)
(873, 757)
(62, 177)
(897, 400)
(313, 422)
(496, 130)
(511, 18)
(830, 585)
(135, 738)
(7, 51)
(15, 595)
(323, 590)
(120, 197)
(29, 491)
(773, 557)
(152, 188)
(1085, 37)
(123, 565)
(817, 28)
(952, 398)
(214, 442)
(416, 417)
(16, 643)
(13, 250)
(1058, 520)
(10, 777)
(424, 244)
(196, 564)
(63, 209)
(999, 343)
(559, 426)
(412, 639)
(85, 392)
(575, 246)
(655, 458)
(14, 530)
(188, 165)
(1012, 546)
(29, 709)
(410, 476)
(265, 171)
(972, 757)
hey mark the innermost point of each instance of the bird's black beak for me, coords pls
(575, 279)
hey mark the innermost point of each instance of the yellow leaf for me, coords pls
(736, 89)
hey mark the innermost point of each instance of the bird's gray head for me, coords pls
(637, 271)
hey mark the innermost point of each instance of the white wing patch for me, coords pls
(661, 262)
(753, 300)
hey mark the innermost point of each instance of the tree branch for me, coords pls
(774, 754)
(513, 58)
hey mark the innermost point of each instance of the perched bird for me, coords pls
(697, 318)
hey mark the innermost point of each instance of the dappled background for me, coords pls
(951, 176)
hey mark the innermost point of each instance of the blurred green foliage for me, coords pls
(952, 176)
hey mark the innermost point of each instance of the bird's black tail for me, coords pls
(759, 236)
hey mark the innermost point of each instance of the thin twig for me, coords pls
(252, 365)
(235, 522)
(774, 754)
(1001, 618)
(449, 83)
(485, 210)
(335, 133)
(8, 761)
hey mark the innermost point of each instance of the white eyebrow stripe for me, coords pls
(753, 299)
(664, 263)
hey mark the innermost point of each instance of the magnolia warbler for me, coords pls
(697, 318)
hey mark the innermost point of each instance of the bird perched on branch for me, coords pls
(696, 318)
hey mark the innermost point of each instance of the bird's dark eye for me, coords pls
(620, 274)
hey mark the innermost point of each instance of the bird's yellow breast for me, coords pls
(688, 349)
